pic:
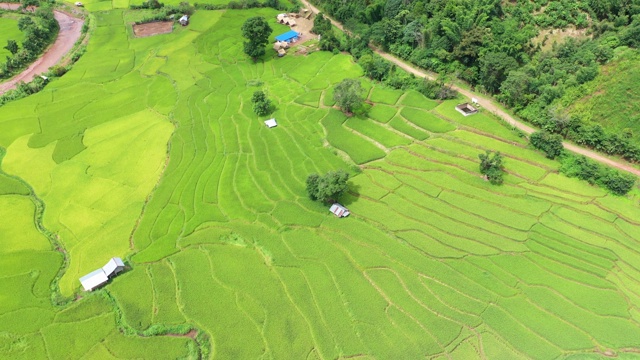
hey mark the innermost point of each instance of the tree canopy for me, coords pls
(348, 95)
(257, 31)
(550, 143)
(491, 167)
(327, 188)
(261, 104)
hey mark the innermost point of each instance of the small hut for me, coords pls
(339, 210)
(184, 20)
(113, 267)
(281, 53)
(271, 123)
(93, 280)
(466, 109)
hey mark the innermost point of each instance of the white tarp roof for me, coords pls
(93, 279)
(112, 265)
(271, 123)
(339, 210)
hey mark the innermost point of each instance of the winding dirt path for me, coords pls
(490, 105)
(70, 31)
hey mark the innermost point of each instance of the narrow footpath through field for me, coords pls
(489, 104)
(70, 31)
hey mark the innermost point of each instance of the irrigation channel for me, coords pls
(70, 31)
(488, 104)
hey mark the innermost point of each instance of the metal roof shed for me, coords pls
(288, 36)
(339, 210)
(271, 123)
(93, 279)
(113, 267)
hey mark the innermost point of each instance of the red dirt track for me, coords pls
(70, 31)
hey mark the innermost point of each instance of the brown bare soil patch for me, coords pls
(153, 28)
(191, 334)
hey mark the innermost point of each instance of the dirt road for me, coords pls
(490, 106)
(70, 31)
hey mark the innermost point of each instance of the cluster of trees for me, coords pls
(550, 144)
(250, 4)
(491, 167)
(348, 95)
(39, 29)
(490, 44)
(257, 31)
(375, 67)
(327, 188)
(586, 169)
(162, 11)
(262, 106)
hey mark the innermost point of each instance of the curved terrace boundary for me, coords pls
(70, 31)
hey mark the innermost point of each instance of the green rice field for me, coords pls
(148, 149)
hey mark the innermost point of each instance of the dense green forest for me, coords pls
(502, 48)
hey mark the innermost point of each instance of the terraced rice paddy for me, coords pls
(149, 150)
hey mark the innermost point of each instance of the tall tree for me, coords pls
(491, 167)
(327, 188)
(348, 95)
(257, 31)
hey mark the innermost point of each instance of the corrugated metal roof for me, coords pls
(339, 210)
(112, 265)
(287, 36)
(93, 279)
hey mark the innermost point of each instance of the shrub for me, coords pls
(550, 144)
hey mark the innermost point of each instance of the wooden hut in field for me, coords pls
(184, 20)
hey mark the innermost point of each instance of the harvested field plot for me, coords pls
(153, 28)
(148, 149)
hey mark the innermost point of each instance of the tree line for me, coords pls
(39, 29)
(490, 44)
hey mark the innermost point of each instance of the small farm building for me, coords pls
(466, 109)
(79, 4)
(281, 53)
(271, 123)
(280, 45)
(339, 210)
(184, 20)
(93, 279)
(282, 18)
(289, 36)
(113, 267)
(98, 277)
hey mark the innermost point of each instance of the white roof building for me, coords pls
(113, 267)
(184, 20)
(339, 210)
(93, 279)
(271, 123)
